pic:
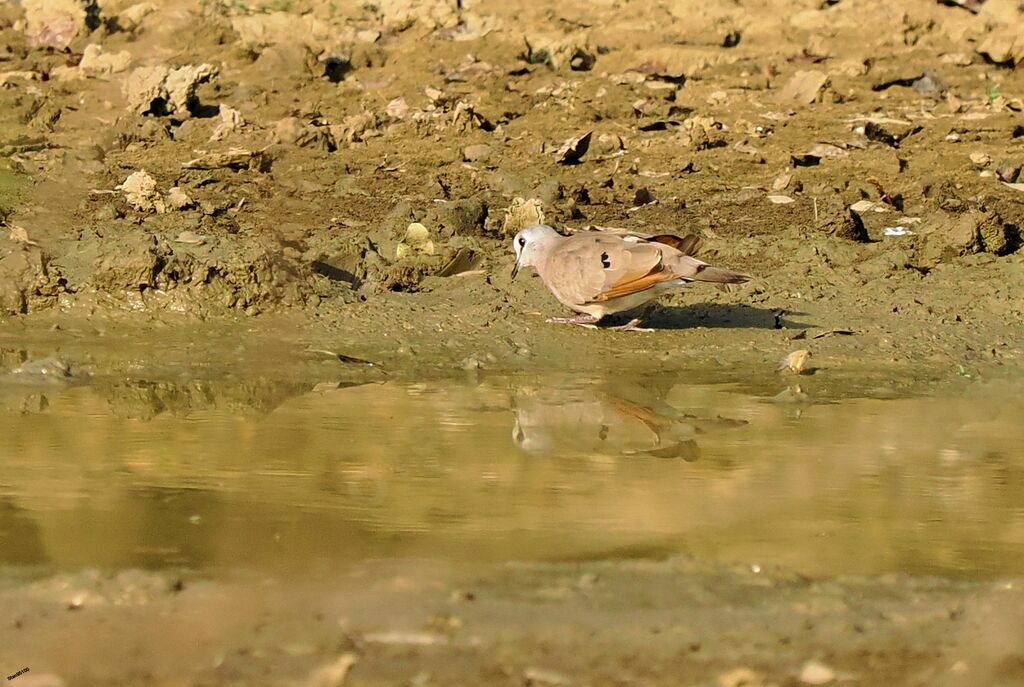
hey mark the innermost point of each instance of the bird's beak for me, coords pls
(515, 269)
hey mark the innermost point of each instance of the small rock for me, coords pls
(740, 677)
(43, 369)
(929, 82)
(836, 219)
(795, 362)
(804, 87)
(160, 90)
(537, 676)
(1008, 172)
(958, 59)
(889, 133)
(190, 238)
(31, 679)
(293, 131)
(522, 213)
(609, 144)
(817, 153)
(397, 108)
(1003, 47)
(981, 159)
(230, 120)
(332, 674)
(406, 638)
(643, 196)
(815, 673)
(417, 240)
(582, 60)
(476, 153)
(97, 63)
(140, 192)
(55, 23)
(827, 151)
(176, 199)
(780, 200)
(129, 19)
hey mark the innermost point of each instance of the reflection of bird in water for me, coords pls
(599, 420)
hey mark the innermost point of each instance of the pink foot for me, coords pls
(631, 326)
(583, 320)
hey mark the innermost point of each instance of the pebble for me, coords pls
(476, 153)
(816, 673)
(740, 677)
(332, 674)
(981, 159)
(537, 676)
(31, 679)
(191, 238)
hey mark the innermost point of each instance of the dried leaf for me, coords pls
(465, 260)
(862, 206)
(572, 150)
(782, 181)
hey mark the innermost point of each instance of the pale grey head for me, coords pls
(530, 244)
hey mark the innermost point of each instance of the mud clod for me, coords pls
(163, 91)
(835, 218)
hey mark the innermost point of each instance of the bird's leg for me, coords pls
(578, 319)
(634, 324)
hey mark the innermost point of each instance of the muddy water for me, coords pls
(518, 469)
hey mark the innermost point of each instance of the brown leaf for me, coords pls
(571, 151)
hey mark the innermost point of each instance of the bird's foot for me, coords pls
(582, 320)
(632, 326)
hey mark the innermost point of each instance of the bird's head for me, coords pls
(529, 245)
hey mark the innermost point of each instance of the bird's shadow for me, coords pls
(721, 315)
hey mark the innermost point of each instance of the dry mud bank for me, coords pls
(203, 159)
(674, 622)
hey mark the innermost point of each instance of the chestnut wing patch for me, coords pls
(657, 275)
(687, 245)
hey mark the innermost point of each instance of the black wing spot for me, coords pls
(605, 260)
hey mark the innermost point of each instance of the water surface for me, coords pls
(258, 476)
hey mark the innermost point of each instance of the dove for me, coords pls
(597, 273)
(619, 416)
(553, 421)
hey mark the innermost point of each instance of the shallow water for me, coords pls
(260, 476)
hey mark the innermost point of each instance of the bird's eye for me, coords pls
(522, 241)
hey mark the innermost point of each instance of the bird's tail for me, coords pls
(719, 275)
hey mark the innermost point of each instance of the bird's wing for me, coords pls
(687, 245)
(588, 268)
